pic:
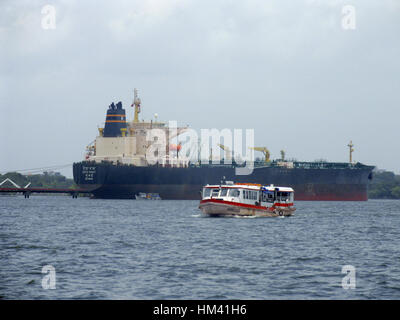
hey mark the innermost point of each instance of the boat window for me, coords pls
(223, 192)
(234, 192)
(253, 195)
(268, 197)
(215, 193)
(283, 196)
(206, 192)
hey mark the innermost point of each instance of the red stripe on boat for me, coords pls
(245, 205)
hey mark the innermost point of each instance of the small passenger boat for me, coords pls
(247, 199)
(147, 196)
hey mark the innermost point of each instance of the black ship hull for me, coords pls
(110, 181)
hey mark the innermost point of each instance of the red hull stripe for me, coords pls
(283, 204)
(238, 204)
(332, 197)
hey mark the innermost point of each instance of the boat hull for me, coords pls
(106, 180)
(214, 207)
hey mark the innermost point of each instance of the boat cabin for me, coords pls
(247, 193)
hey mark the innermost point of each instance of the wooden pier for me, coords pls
(28, 191)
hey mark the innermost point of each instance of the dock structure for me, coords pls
(28, 191)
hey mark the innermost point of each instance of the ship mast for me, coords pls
(351, 145)
(136, 103)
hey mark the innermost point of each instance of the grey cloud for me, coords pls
(285, 68)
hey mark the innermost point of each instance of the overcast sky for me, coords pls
(286, 68)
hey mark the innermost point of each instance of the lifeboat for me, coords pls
(175, 147)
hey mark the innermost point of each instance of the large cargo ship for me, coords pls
(117, 165)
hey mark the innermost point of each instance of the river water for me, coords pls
(127, 249)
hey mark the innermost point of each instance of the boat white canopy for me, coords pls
(252, 186)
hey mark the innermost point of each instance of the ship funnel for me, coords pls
(115, 121)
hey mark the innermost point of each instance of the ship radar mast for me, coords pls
(351, 150)
(136, 103)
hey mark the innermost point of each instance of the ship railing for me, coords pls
(276, 164)
(284, 164)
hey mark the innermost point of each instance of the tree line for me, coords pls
(44, 180)
(384, 185)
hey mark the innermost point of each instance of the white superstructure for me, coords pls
(138, 143)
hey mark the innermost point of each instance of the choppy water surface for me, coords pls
(127, 249)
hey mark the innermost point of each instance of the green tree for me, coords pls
(384, 185)
(396, 192)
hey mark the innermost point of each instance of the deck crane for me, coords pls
(265, 152)
(228, 153)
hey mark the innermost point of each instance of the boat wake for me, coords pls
(244, 217)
